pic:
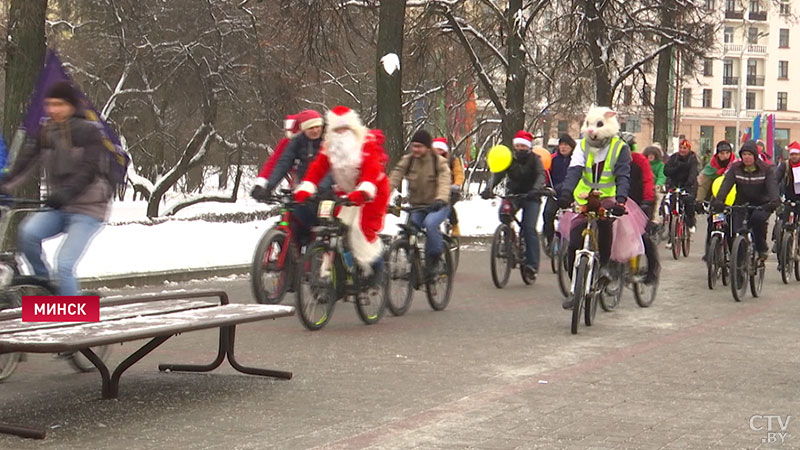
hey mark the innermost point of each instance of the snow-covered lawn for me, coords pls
(194, 244)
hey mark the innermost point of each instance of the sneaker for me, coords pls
(668, 246)
(455, 231)
(692, 229)
(530, 273)
(433, 267)
(567, 303)
(774, 246)
(704, 258)
(763, 256)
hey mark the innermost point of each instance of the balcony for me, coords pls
(748, 49)
(730, 81)
(734, 15)
(752, 113)
(733, 48)
(758, 15)
(728, 112)
(755, 49)
(755, 80)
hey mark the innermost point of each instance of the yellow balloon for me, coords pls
(499, 158)
(731, 195)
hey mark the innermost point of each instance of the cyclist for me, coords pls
(601, 162)
(788, 178)
(716, 167)
(291, 129)
(72, 153)
(653, 155)
(643, 192)
(525, 176)
(297, 156)
(762, 152)
(681, 172)
(355, 157)
(755, 186)
(429, 180)
(558, 171)
(456, 178)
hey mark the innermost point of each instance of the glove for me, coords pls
(487, 194)
(438, 204)
(770, 207)
(301, 196)
(259, 193)
(699, 209)
(57, 199)
(618, 209)
(564, 201)
(358, 198)
(717, 206)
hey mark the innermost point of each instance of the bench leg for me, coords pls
(223, 347)
(251, 370)
(111, 383)
(22, 431)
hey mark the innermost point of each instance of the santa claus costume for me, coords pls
(356, 158)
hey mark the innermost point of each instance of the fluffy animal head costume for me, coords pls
(599, 126)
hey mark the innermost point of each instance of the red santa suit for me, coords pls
(358, 171)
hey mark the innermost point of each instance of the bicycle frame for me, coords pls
(589, 242)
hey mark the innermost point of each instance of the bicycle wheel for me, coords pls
(590, 309)
(522, 249)
(80, 363)
(611, 294)
(714, 261)
(552, 250)
(578, 296)
(271, 269)
(9, 361)
(564, 282)
(400, 277)
(786, 258)
(371, 301)
(454, 245)
(796, 255)
(739, 272)
(686, 239)
(724, 262)
(502, 257)
(440, 284)
(675, 237)
(644, 293)
(316, 292)
(757, 278)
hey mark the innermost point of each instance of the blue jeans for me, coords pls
(530, 214)
(430, 222)
(79, 229)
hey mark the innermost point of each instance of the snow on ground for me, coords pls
(196, 244)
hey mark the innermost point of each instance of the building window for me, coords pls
(755, 6)
(709, 5)
(687, 98)
(633, 124)
(730, 134)
(708, 67)
(783, 70)
(782, 101)
(706, 139)
(750, 100)
(783, 40)
(752, 35)
(728, 35)
(627, 95)
(730, 5)
(562, 127)
(786, 8)
(727, 99)
(706, 98)
(782, 139)
(646, 97)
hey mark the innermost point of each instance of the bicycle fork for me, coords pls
(578, 254)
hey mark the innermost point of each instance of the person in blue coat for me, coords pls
(558, 172)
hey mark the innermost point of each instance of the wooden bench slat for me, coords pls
(84, 335)
(111, 313)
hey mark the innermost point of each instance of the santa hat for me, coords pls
(308, 119)
(343, 117)
(291, 126)
(524, 138)
(794, 147)
(441, 144)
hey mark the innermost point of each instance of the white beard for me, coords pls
(344, 153)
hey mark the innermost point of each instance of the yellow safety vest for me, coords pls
(607, 184)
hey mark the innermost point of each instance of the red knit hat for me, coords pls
(441, 144)
(524, 138)
(291, 126)
(308, 119)
(794, 147)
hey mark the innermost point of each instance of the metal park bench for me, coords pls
(125, 319)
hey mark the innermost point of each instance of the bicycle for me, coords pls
(552, 247)
(405, 268)
(272, 272)
(745, 264)
(328, 273)
(789, 239)
(679, 237)
(452, 242)
(718, 252)
(14, 285)
(508, 246)
(631, 275)
(586, 285)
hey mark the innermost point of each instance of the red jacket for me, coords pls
(645, 187)
(269, 165)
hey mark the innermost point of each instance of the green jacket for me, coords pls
(658, 172)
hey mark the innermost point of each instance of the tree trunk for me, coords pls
(514, 118)
(389, 117)
(596, 36)
(25, 50)
(662, 101)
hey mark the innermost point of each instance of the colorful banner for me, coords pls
(756, 128)
(770, 136)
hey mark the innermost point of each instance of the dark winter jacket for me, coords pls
(681, 172)
(756, 188)
(298, 155)
(785, 179)
(525, 174)
(76, 165)
(558, 170)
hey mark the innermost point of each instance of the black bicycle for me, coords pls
(718, 253)
(328, 273)
(406, 268)
(789, 239)
(745, 265)
(14, 285)
(679, 237)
